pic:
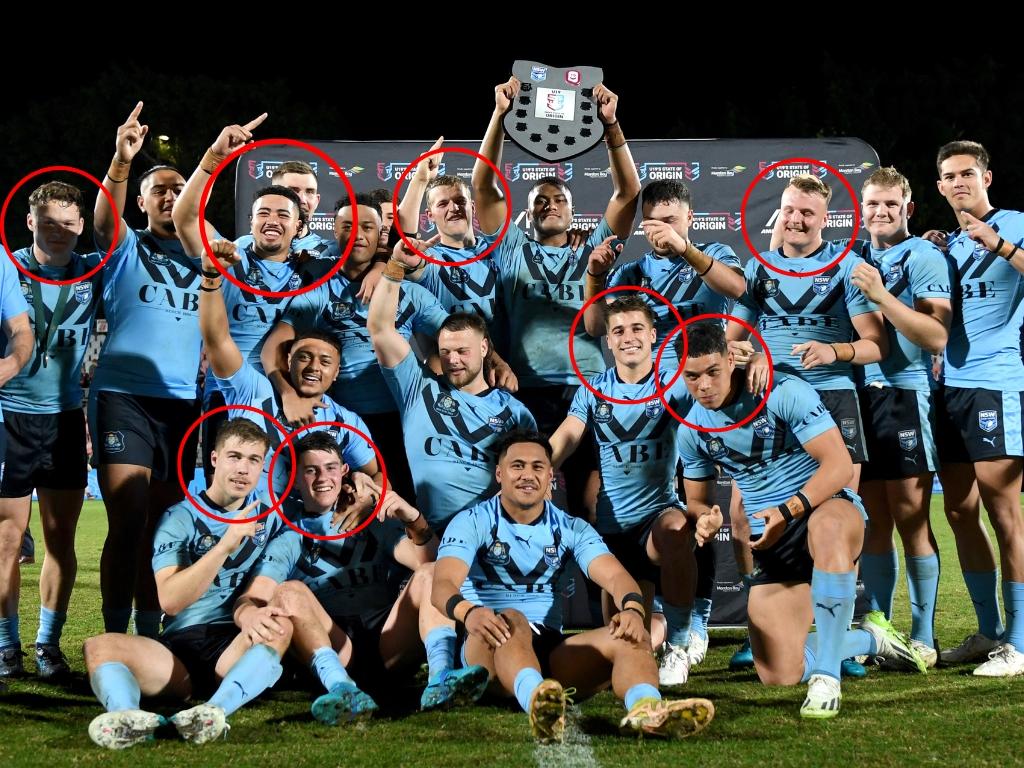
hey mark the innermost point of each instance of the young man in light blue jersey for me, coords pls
(301, 179)
(697, 278)
(543, 279)
(500, 575)
(451, 422)
(816, 327)
(344, 612)
(221, 636)
(313, 362)
(45, 423)
(793, 471)
(979, 411)
(336, 308)
(55, 220)
(143, 396)
(908, 278)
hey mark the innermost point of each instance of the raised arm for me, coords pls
(491, 205)
(221, 350)
(130, 136)
(621, 208)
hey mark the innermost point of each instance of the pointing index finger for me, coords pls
(252, 124)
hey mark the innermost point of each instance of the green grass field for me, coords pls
(946, 717)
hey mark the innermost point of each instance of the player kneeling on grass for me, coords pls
(791, 467)
(338, 598)
(514, 548)
(217, 630)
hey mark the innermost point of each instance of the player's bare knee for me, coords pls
(100, 649)
(516, 621)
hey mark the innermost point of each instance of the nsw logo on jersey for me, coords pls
(821, 284)
(261, 534)
(980, 251)
(158, 259)
(551, 556)
(205, 544)
(603, 412)
(894, 274)
(848, 428)
(340, 310)
(496, 423)
(908, 439)
(653, 409)
(294, 282)
(446, 405)
(458, 275)
(716, 447)
(83, 292)
(988, 420)
(113, 442)
(686, 274)
(769, 287)
(497, 553)
(254, 278)
(26, 292)
(763, 428)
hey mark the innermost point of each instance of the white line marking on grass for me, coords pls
(574, 752)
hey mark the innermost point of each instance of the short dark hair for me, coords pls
(972, 148)
(666, 191)
(523, 436)
(630, 304)
(146, 174)
(320, 336)
(464, 321)
(243, 429)
(706, 338)
(56, 192)
(382, 195)
(277, 189)
(361, 199)
(320, 440)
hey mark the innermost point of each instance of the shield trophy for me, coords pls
(554, 117)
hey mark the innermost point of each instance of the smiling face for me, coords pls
(451, 210)
(886, 213)
(631, 338)
(964, 184)
(55, 227)
(804, 215)
(550, 209)
(321, 474)
(524, 473)
(237, 465)
(313, 366)
(274, 224)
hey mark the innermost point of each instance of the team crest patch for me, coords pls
(458, 275)
(716, 447)
(261, 534)
(254, 278)
(894, 274)
(294, 282)
(333, 432)
(980, 251)
(848, 428)
(645, 282)
(763, 428)
(340, 310)
(769, 287)
(497, 553)
(653, 409)
(603, 412)
(908, 439)
(551, 556)
(205, 544)
(113, 442)
(496, 423)
(446, 405)
(159, 259)
(26, 292)
(686, 274)
(538, 74)
(988, 420)
(83, 292)
(821, 284)
(538, 257)
(313, 554)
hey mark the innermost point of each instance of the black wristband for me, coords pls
(786, 514)
(639, 611)
(710, 265)
(999, 247)
(450, 606)
(631, 597)
(1010, 257)
(210, 290)
(211, 273)
(805, 501)
(471, 609)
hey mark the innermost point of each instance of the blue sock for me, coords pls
(640, 691)
(678, 619)
(328, 668)
(526, 683)
(1013, 603)
(833, 595)
(115, 686)
(9, 634)
(51, 624)
(116, 619)
(147, 623)
(258, 669)
(700, 616)
(809, 656)
(440, 645)
(923, 586)
(981, 586)
(879, 572)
